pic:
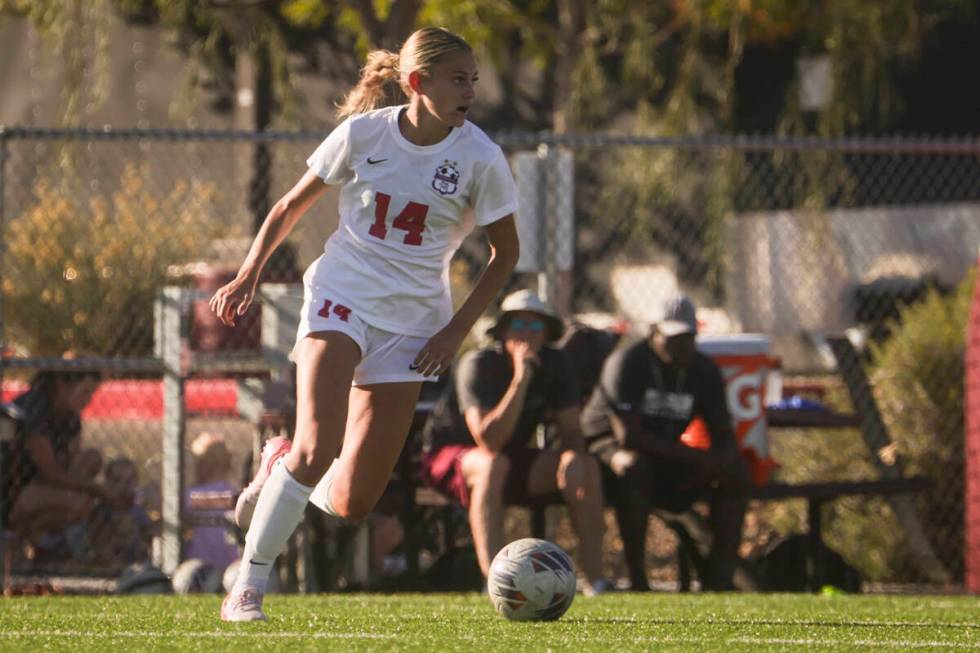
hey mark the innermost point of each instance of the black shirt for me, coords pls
(635, 380)
(481, 378)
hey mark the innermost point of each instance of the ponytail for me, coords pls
(419, 52)
(373, 89)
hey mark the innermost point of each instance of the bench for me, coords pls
(689, 527)
(891, 484)
(410, 499)
(414, 503)
(693, 545)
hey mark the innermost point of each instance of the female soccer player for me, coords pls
(377, 313)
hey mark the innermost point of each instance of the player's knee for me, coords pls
(487, 469)
(354, 508)
(499, 467)
(309, 461)
(348, 503)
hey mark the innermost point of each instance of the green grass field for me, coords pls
(466, 622)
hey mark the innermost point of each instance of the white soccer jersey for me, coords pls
(401, 208)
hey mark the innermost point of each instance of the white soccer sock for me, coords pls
(321, 493)
(277, 513)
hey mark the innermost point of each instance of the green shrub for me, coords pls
(82, 275)
(917, 378)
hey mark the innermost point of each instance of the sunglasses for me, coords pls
(518, 324)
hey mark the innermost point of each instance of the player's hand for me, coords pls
(621, 461)
(231, 300)
(524, 358)
(437, 355)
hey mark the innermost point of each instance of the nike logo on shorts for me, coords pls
(373, 161)
(413, 367)
(252, 562)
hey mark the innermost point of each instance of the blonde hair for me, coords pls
(384, 68)
(212, 458)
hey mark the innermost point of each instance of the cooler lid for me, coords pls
(734, 344)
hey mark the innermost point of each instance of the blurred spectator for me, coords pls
(120, 532)
(588, 347)
(208, 502)
(648, 393)
(481, 444)
(49, 480)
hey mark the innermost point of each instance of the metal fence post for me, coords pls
(3, 329)
(548, 277)
(555, 202)
(4, 136)
(172, 323)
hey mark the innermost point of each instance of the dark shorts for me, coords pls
(442, 470)
(669, 481)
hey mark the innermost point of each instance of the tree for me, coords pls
(78, 33)
(92, 291)
(386, 30)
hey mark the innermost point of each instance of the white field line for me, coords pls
(193, 635)
(872, 643)
(787, 622)
(781, 641)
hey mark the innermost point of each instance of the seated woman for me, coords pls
(49, 480)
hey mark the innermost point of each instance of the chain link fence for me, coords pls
(796, 239)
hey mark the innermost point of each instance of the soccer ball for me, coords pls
(143, 578)
(195, 576)
(531, 580)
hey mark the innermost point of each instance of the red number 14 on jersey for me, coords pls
(410, 220)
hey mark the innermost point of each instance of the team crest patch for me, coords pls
(446, 179)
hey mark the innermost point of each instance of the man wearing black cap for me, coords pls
(480, 440)
(648, 394)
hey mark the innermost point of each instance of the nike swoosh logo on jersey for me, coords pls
(373, 161)
(413, 367)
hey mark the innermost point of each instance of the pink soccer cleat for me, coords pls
(243, 605)
(274, 449)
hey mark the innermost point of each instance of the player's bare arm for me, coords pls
(437, 354)
(493, 429)
(233, 299)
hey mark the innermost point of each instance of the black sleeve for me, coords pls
(476, 382)
(620, 390)
(608, 397)
(565, 388)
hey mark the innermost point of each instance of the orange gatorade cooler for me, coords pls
(746, 365)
